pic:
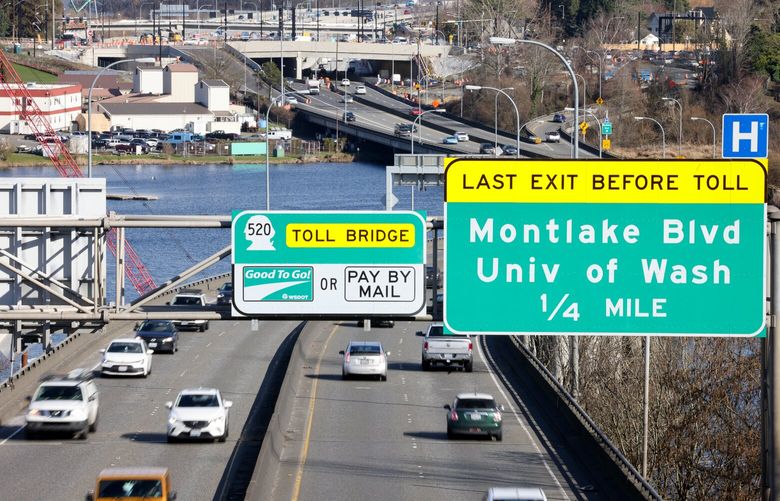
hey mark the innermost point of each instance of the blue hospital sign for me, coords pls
(745, 135)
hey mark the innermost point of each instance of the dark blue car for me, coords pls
(160, 335)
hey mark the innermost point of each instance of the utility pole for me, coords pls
(437, 21)
(225, 18)
(183, 22)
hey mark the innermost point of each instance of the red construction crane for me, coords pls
(28, 110)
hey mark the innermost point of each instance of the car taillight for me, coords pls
(346, 357)
(453, 416)
(470, 346)
(425, 346)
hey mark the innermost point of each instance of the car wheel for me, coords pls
(93, 427)
(344, 374)
(383, 378)
(469, 366)
(499, 436)
(82, 435)
(426, 365)
(224, 436)
(170, 439)
(30, 435)
(450, 433)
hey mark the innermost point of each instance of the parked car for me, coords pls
(126, 357)
(129, 148)
(349, 116)
(160, 335)
(462, 136)
(360, 89)
(64, 404)
(474, 413)
(364, 358)
(552, 137)
(221, 135)
(135, 482)
(439, 348)
(199, 413)
(559, 118)
(23, 148)
(450, 140)
(225, 293)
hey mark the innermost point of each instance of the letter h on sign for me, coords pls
(745, 135)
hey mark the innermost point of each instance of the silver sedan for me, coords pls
(364, 358)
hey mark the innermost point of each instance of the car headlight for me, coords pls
(168, 340)
(34, 412)
(76, 413)
(172, 420)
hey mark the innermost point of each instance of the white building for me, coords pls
(148, 80)
(59, 103)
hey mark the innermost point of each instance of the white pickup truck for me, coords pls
(446, 349)
(193, 300)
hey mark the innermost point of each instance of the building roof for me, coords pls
(112, 107)
(85, 80)
(215, 83)
(181, 68)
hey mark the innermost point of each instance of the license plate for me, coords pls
(475, 416)
(122, 368)
(195, 433)
(152, 345)
(449, 355)
(364, 362)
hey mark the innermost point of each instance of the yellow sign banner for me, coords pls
(596, 181)
(345, 235)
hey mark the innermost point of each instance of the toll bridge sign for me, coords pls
(619, 247)
(328, 263)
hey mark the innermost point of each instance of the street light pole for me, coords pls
(713, 131)
(267, 160)
(679, 137)
(663, 134)
(89, 104)
(597, 121)
(509, 41)
(418, 117)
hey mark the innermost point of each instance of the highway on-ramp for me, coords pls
(132, 418)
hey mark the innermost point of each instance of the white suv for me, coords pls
(190, 299)
(198, 413)
(66, 404)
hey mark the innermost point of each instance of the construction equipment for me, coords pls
(53, 147)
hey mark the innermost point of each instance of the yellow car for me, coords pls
(145, 483)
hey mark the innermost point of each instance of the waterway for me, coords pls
(222, 189)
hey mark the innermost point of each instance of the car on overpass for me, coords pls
(64, 404)
(225, 293)
(364, 358)
(199, 413)
(474, 414)
(349, 116)
(552, 136)
(360, 89)
(345, 82)
(415, 112)
(462, 136)
(450, 140)
(190, 299)
(508, 149)
(559, 118)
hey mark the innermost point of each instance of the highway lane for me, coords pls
(387, 440)
(131, 430)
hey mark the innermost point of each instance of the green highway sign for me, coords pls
(606, 128)
(320, 263)
(620, 247)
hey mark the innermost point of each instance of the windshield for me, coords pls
(58, 393)
(155, 326)
(476, 403)
(125, 348)
(364, 349)
(130, 488)
(187, 301)
(198, 400)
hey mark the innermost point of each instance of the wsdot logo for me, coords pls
(278, 283)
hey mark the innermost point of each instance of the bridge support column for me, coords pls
(298, 67)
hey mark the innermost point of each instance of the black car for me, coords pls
(508, 149)
(429, 277)
(160, 335)
(378, 322)
(559, 118)
(225, 293)
(349, 117)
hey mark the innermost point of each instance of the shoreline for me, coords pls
(18, 160)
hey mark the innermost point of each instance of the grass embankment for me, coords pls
(30, 160)
(28, 74)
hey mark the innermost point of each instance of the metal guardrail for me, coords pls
(606, 444)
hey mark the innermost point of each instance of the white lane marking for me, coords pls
(12, 435)
(234, 324)
(362, 387)
(221, 333)
(169, 391)
(196, 357)
(183, 373)
(208, 344)
(522, 424)
(401, 341)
